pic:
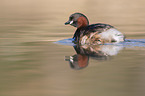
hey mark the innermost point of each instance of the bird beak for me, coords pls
(68, 22)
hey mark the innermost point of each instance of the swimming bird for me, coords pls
(93, 34)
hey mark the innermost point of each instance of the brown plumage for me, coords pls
(93, 34)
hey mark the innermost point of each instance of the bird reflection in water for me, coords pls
(98, 52)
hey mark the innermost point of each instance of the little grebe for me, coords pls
(95, 33)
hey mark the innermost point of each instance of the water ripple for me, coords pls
(126, 43)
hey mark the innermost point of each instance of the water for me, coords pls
(33, 64)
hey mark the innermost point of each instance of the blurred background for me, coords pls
(32, 65)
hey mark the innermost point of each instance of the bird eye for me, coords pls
(71, 18)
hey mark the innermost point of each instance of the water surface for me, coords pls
(31, 64)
